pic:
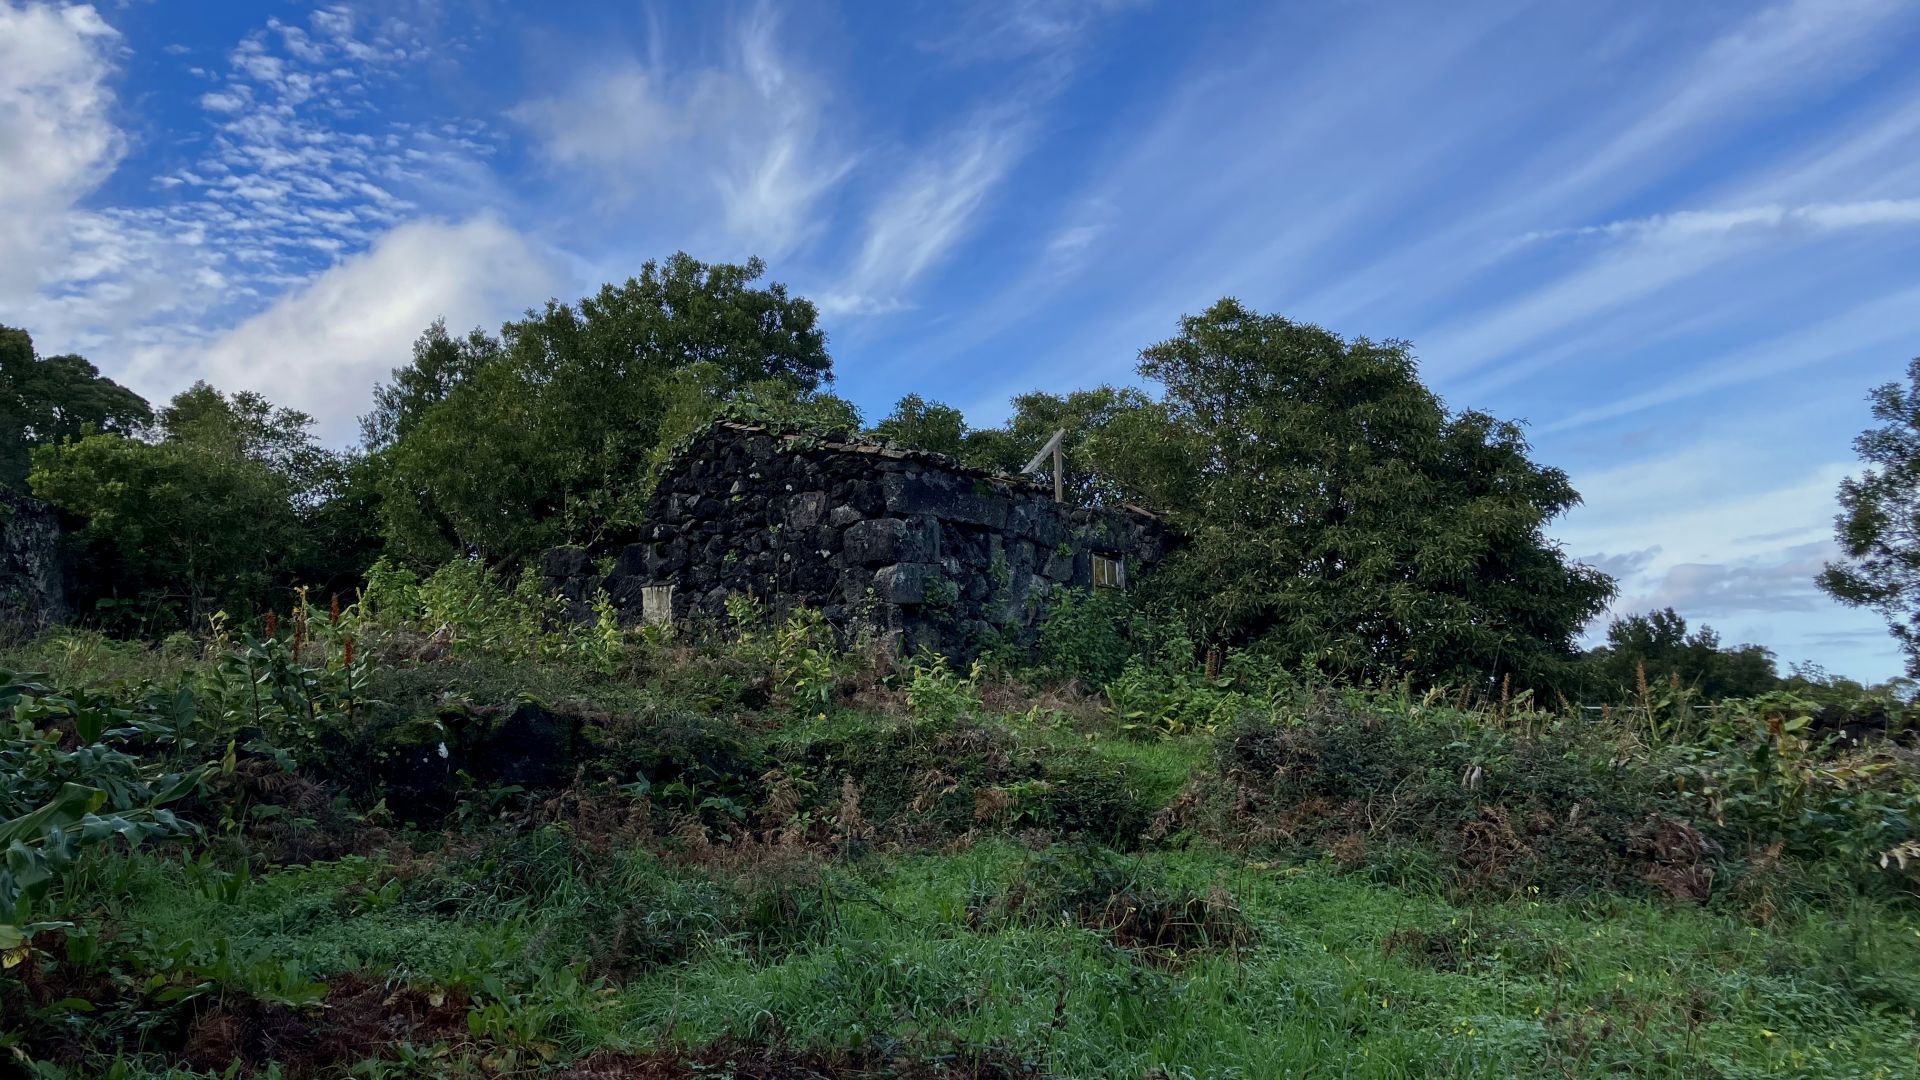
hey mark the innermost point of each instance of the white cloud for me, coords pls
(926, 213)
(1611, 154)
(745, 138)
(1685, 224)
(58, 140)
(322, 346)
(1787, 45)
(1014, 29)
(1889, 322)
(1737, 549)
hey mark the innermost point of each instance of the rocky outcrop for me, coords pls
(949, 557)
(33, 594)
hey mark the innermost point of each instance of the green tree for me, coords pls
(231, 505)
(1340, 516)
(441, 362)
(1083, 414)
(925, 425)
(1659, 646)
(247, 425)
(1879, 521)
(551, 435)
(174, 530)
(45, 400)
(1086, 416)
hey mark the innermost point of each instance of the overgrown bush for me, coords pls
(1133, 903)
(1770, 776)
(1551, 807)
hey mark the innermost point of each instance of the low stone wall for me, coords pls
(949, 557)
(33, 594)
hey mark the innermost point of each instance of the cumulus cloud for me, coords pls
(58, 140)
(297, 174)
(321, 346)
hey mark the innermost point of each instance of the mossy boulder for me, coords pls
(531, 746)
(413, 767)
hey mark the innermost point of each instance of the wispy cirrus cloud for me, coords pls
(1888, 324)
(1684, 224)
(918, 220)
(1020, 29)
(749, 131)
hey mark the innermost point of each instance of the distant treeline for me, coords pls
(1338, 515)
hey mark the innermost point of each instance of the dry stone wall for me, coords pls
(33, 594)
(949, 557)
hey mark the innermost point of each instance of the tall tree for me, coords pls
(925, 425)
(230, 505)
(45, 400)
(550, 435)
(173, 530)
(1085, 415)
(1658, 647)
(1340, 516)
(441, 362)
(1082, 414)
(247, 425)
(1879, 521)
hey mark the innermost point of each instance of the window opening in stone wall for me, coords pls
(1109, 572)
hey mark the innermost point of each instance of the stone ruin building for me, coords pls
(912, 543)
(33, 593)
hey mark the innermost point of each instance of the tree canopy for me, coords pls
(1336, 512)
(1658, 647)
(549, 433)
(1340, 515)
(230, 505)
(48, 399)
(1082, 414)
(1879, 522)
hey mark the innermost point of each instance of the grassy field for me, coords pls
(917, 875)
(1326, 975)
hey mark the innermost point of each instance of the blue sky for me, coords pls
(1680, 240)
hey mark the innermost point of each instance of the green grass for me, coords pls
(1496, 989)
(971, 942)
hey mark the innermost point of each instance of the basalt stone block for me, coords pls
(842, 516)
(947, 497)
(905, 583)
(890, 540)
(871, 543)
(532, 746)
(631, 560)
(565, 562)
(1059, 566)
(806, 509)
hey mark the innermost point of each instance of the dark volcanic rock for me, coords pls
(903, 541)
(33, 583)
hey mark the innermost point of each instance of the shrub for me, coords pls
(1131, 902)
(1772, 778)
(1506, 808)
